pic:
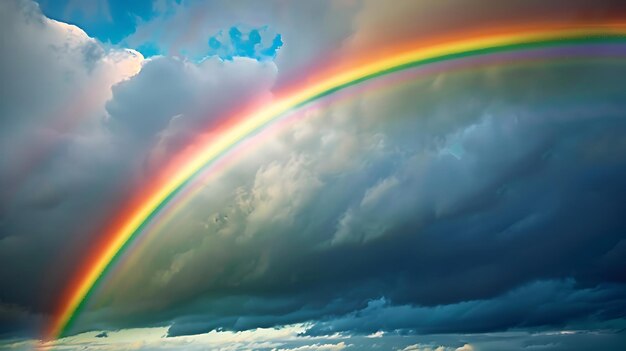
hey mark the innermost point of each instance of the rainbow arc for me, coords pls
(168, 189)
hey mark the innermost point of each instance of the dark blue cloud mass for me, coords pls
(493, 208)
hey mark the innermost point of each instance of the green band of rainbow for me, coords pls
(185, 169)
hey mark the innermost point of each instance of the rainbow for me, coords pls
(211, 152)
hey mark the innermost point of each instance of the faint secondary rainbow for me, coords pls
(211, 151)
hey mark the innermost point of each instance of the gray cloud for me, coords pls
(559, 301)
(163, 107)
(53, 185)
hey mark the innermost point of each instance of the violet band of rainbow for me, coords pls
(607, 41)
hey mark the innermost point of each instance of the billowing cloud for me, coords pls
(309, 28)
(96, 128)
(418, 347)
(171, 101)
(289, 337)
(53, 145)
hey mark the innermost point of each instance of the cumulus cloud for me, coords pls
(275, 339)
(418, 347)
(53, 144)
(104, 118)
(171, 101)
(305, 30)
(328, 347)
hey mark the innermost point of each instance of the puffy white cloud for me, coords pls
(328, 347)
(308, 29)
(419, 347)
(57, 80)
(287, 338)
(172, 101)
(83, 118)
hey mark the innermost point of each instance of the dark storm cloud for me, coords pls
(55, 178)
(241, 313)
(503, 210)
(69, 158)
(560, 301)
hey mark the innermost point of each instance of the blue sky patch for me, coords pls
(239, 44)
(106, 20)
(112, 21)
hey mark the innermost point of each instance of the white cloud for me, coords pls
(172, 100)
(52, 139)
(420, 347)
(286, 338)
(374, 194)
(378, 334)
(323, 347)
(308, 29)
(61, 79)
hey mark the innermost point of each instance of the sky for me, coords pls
(478, 208)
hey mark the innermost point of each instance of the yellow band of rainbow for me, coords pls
(136, 215)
